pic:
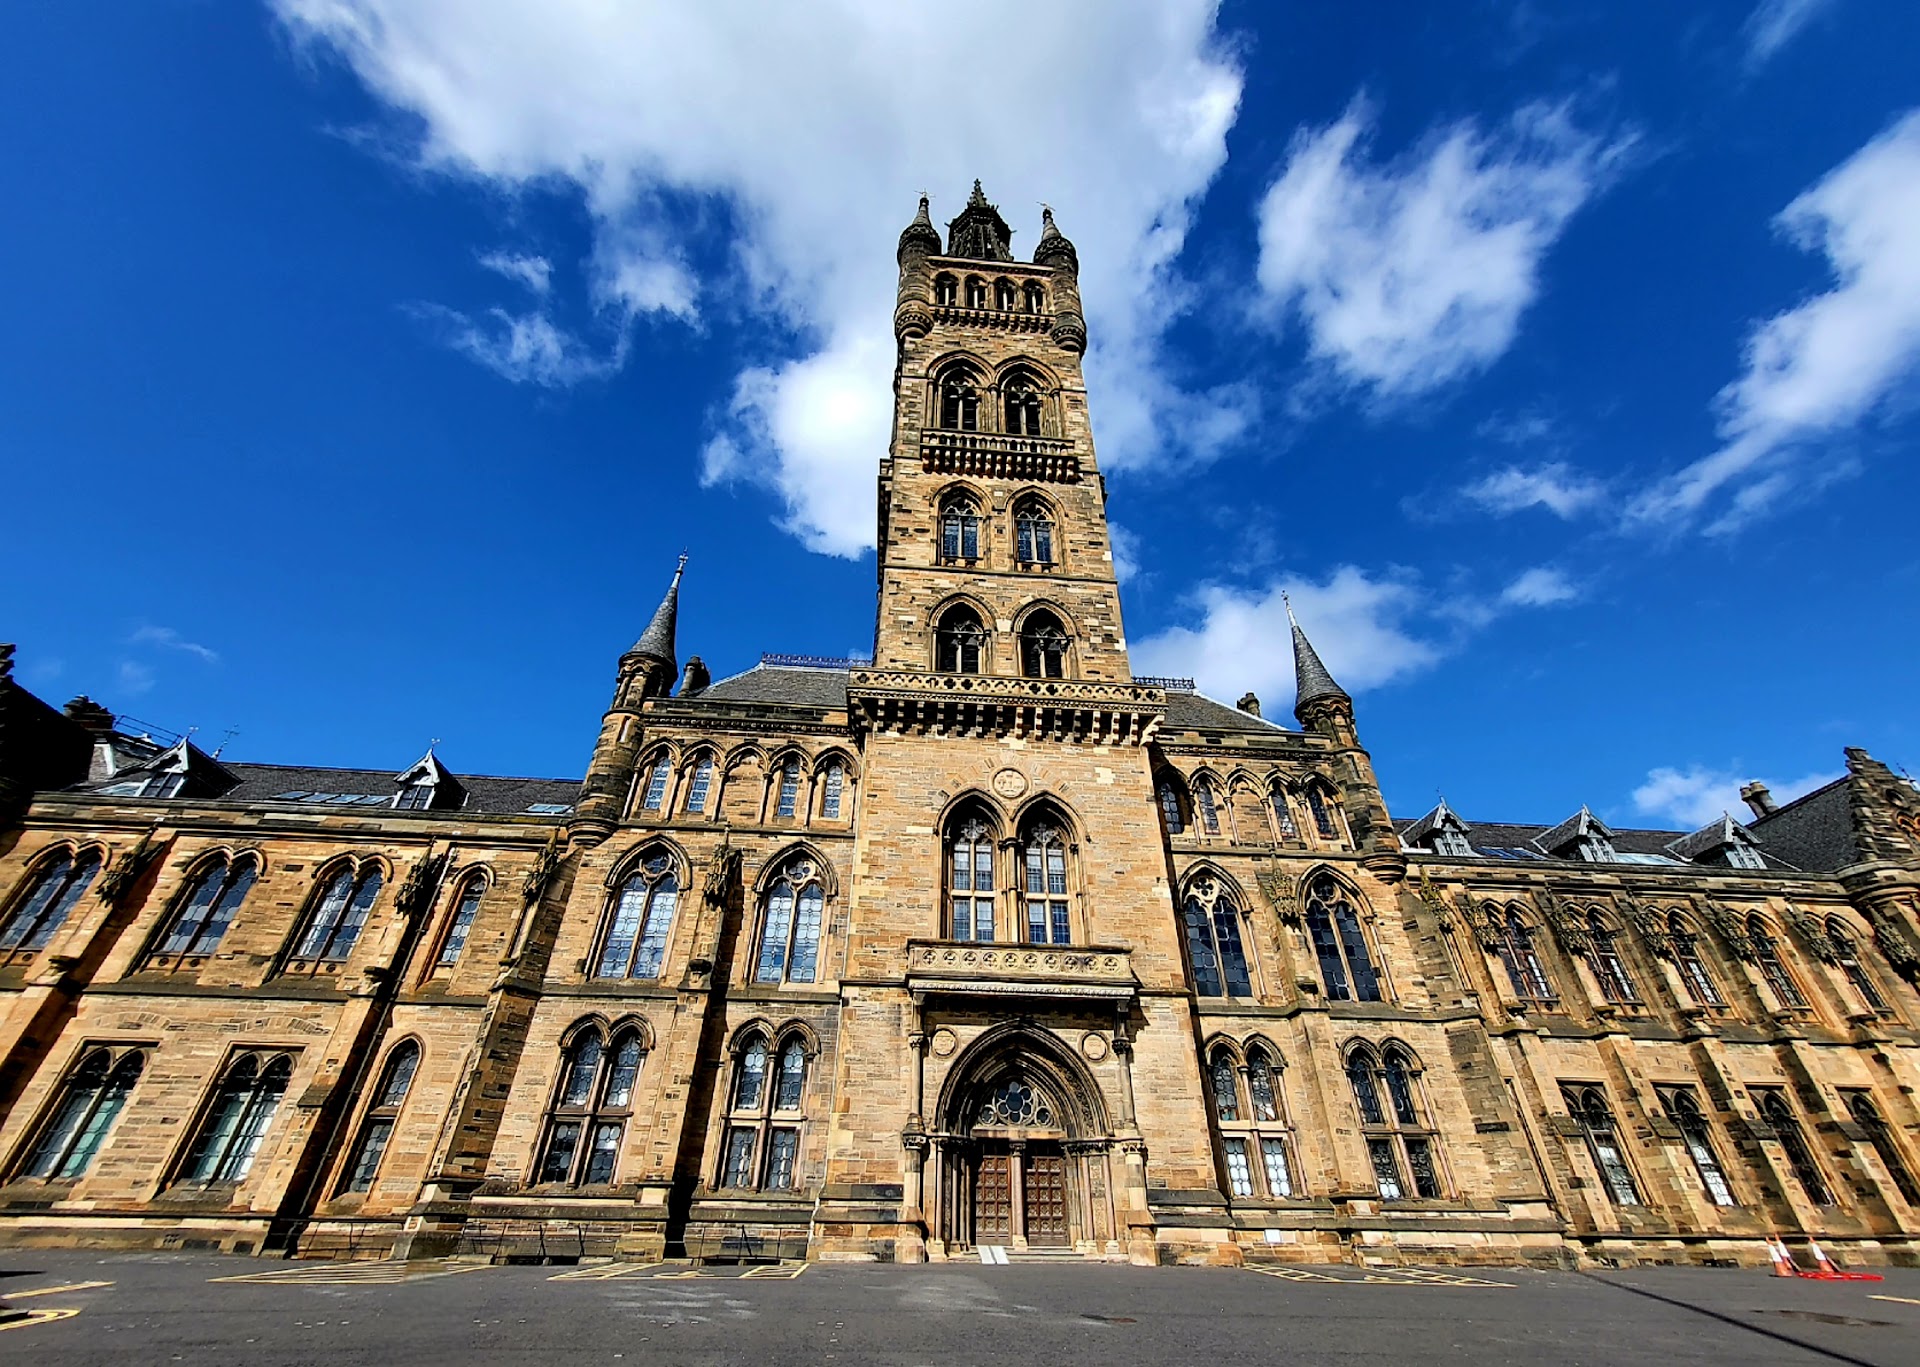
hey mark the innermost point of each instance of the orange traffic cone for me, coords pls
(1833, 1273)
(1782, 1260)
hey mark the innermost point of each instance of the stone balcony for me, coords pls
(968, 968)
(998, 455)
(921, 702)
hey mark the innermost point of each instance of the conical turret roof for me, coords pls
(1311, 680)
(1054, 246)
(656, 642)
(921, 231)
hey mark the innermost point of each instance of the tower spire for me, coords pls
(1312, 681)
(656, 642)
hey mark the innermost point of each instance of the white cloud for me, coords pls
(135, 678)
(1828, 363)
(169, 639)
(1692, 797)
(535, 272)
(527, 348)
(1555, 486)
(810, 129)
(1413, 273)
(1126, 552)
(1775, 23)
(1540, 587)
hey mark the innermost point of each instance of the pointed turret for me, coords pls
(646, 672)
(1312, 682)
(1056, 253)
(913, 305)
(656, 642)
(979, 233)
(1054, 247)
(920, 235)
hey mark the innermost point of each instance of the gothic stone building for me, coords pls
(985, 941)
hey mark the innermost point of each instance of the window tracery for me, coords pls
(959, 528)
(1766, 955)
(761, 1143)
(243, 1107)
(1214, 949)
(1043, 646)
(1321, 809)
(960, 400)
(1846, 955)
(1346, 964)
(639, 921)
(1520, 956)
(1399, 1142)
(790, 918)
(960, 641)
(1047, 919)
(202, 915)
(1693, 968)
(1023, 402)
(90, 1100)
(970, 879)
(1017, 1104)
(1881, 1138)
(1033, 533)
(592, 1106)
(1609, 968)
(339, 914)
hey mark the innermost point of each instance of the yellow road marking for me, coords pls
(605, 1272)
(774, 1273)
(355, 1274)
(1904, 1300)
(1395, 1276)
(54, 1290)
(40, 1317)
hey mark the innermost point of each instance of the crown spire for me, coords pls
(1311, 680)
(979, 233)
(656, 642)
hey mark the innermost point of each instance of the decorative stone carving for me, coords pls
(1567, 927)
(1276, 889)
(415, 894)
(944, 1042)
(1731, 930)
(545, 864)
(1010, 784)
(723, 872)
(1093, 1045)
(1808, 930)
(125, 871)
(1649, 925)
(1436, 904)
(1892, 941)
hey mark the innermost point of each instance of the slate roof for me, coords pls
(489, 796)
(1815, 831)
(1723, 830)
(1197, 712)
(780, 684)
(1506, 835)
(1441, 815)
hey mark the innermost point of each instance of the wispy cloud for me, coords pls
(535, 272)
(527, 348)
(1693, 796)
(1825, 365)
(168, 639)
(1540, 587)
(1413, 273)
(134, 678)
(1775, 23)
(1126, 552)
(1555, 486)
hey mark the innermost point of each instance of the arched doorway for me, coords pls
(1021, 1152)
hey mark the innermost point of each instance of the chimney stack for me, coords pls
(696, 678)
(1756, 796)
(1249, 704)
(89, 714)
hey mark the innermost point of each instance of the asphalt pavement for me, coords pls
(196, 1308)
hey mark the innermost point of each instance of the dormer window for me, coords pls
(426, 786)
(1594, 848)
(1451, 843)
(415, 797)
(1743, 856)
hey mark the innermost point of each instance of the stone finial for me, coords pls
(1249, 704)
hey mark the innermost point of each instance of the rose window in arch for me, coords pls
(1015, 1103)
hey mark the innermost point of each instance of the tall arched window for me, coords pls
(1518, 953)
(1399, 1142)
(960, 400)
(376, 1129)
(1023, 406)
(1263, 1090)
(1609, 968)
(91, 1099)
(1588, 1106)
(960, 641)
(339, 914)
(1207, 804)
(1005, 296)
(969, 878)
(1847, 954)
(1766, 953)
(1346, 965)
(1283, 813)
(1252, 1137)
(1683, 1109)
(243, 1107)
(1045, 856)
(1214, 947)
(591, 1108)
(761, 1147)
(790, 917)
(1793, 1142)
(466, 907)
(946, 290)
(1693, 969)
(976, 292)
(701, 784)
(787, 803)
(639, 921)
(205, 910)
(53, 890)
(658, 776)
(1320, 804)
(1880, 1135)
(1033, 532)
(833, 786)
(1172, 815)
(1043, 646)
(959, 528)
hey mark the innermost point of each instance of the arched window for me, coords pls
(1214, 948)
(1693, 969)
(1043, 647)
(91, 1099)
(761, 1148)
(1036, 298)
(1398, 1140)
(1880, 1135)
(787, 803)
(205, 910)
(1793, 1142)
(639, 921)
(377, 1128)
(959, 528)
(960, 641)
(976, 292)
(1683, 1109)
(1263, 1090)
(243, 1107)
(969, 879)
(1522, 960)
(1171, 814)
(1045, 855)
(1609, 969)
(1321, 806)
(790, 918)
(1205, 802)
(1033, 533)
(339, 914)
(701, 784)
(1283, 813)
(1588, 1105)
(833, 786)
(466, 907)
(1766, 953)
(591, 1109)
(1847, 955)
(655, 797)
(960, 400)
(53, 890)
(1346, 966)
(1005, 296)
(1023, 405)
(946, 290)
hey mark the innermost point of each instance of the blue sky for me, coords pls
(370, 361)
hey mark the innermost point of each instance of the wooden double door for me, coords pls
(1020, 1192)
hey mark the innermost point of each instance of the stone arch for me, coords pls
(1023, 1048)
(778, 861)
(657, 844)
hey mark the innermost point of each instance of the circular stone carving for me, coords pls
(944, 1042)
(1010, 783)
(1093, 1046)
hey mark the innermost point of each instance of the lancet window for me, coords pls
(1215, 951)
(639, 919)
(787, 800)
(959, 528)
(592, 1107)
(1683, 1109)
(244, 1104)
(376, 1128)
(791, 913)
(1253, 1137)
(1172, 816)
(1775, 1110)
(53, 891)
(1023, 403)
(1339, 943)
(1399, 1142)
(960, 641)
(970, 879)
(1033, 533)
(466, 907)
(1588, 1105)
(90, 1100)
(1693, 968)
(1520, 956)
(339, 913)
(1766, 954)
(1044, 854)
(700, 786)
(761, 1147)
(1609, 968)
(833, 787)
(1847, 954)
(202, 915)
(1881, 1137)
(1043, 646)
(960, 400)
(659, 774)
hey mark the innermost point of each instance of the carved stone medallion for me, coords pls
(1010, 783)
(1093, 1046)
(944, 1042)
